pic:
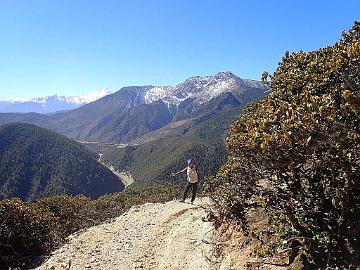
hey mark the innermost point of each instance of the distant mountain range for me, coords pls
(50, 104)
(35, 162)
(162, 125)
(135, 111)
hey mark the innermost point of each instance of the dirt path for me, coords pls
(151, 236)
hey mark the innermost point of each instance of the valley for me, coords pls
(281, 168)
(145, 132)
(179, 135)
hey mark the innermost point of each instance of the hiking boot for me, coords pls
(181, 200)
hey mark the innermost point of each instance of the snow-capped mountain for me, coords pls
(133, 111)
(200, 88)
(51, 104)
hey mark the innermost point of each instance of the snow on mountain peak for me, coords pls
(87, 98)
(52, 103)
(76, 100)
(202, 88)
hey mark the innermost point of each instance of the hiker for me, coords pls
(192, 178)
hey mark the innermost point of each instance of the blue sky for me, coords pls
(72, 47)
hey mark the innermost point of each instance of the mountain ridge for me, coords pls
(91, 120)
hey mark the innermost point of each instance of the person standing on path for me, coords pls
(192, 178)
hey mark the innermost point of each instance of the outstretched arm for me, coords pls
(175, 173)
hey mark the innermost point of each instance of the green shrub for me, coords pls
(71, 213)
(302, 141)
(25, 232)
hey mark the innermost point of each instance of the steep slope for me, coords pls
(131, 124)
(136, 106)
(35, 162)
(151, 236)
(80, 122)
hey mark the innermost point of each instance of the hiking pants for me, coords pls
(194, 189)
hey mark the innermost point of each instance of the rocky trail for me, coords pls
(157, 236)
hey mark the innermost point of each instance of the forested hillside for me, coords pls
(35, 162)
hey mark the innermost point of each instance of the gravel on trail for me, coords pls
(152, 236)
